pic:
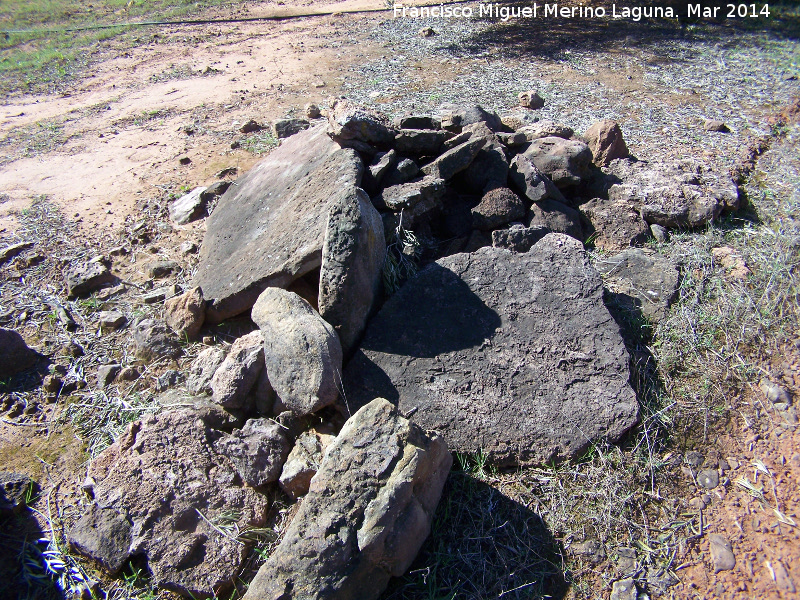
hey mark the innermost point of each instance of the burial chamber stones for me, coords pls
(514, 355)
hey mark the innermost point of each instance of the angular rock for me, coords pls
(566, 162)
(303, 463)
(104, 535)
(162, 268)
(165, 477)
(543, 129)
(417, 199)
(185, 314)
(160, 294)
(455, 160)
(86, 278)
(454, 118)
(15, 356)
(498, 207)
(420, 142)
(518, 118)
(514, 355)
(312, 111)
(518, 238)
(678, 194)
(268, 229)
(606, 142)
(624, 589)
(251, 126)
(129, 374)
(350, 122)
(417, 122)
(404, 171)
(512, 139)
(489, 169)
(189, 207)
(238, 373)
(616, 225)
(257, 451)
(556, 218)
(13, 250)
(14, 490)
(643, 280)
(352, 263)
(715, 126)
(381, 164)
(111, 319)
(530, 100)
(284, 128)
(202, 371)
(302, 351)
(530, 181)
(106, 375)
(659, 233)
(153, 339)
(721, 553)
(366, 515)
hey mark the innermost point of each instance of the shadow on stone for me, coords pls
(483, 544)
(447, 316)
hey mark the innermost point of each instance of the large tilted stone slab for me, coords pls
(302, 351)
(165, 477)
(511, 354)
(367, 512)
(352, 262)
(268, 228)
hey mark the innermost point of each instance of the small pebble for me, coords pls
(708, 478)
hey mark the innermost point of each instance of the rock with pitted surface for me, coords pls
(366, 515)
(350, 122)
(165, 477)
(153, 340)
(352, 262)
(104, 535)
(684, 193)
(556, 218)
(420, 142)
(269, 227)
(416, 199)
(185, 314)
(514, 355)
(303, 463)
(498, 207)
(641, 280)
(239, 372)
(518, 238)
(566, 162)
(15, 355)
(543, 129)
(302, 351)
(87, 277)
(606, 142)
(257, 450)
(615, 225)
(202, 370)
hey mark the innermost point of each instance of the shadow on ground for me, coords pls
(483, 545)
(554, 38)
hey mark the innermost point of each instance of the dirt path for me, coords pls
(183, 92)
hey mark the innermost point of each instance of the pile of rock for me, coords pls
(502, 344)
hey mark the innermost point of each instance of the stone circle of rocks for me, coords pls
(350, 395)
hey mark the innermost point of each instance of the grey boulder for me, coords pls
(268, 229)
(350, 122)
(496, 208)
(238, 373)
(566, 162)
(284, 128)
(514, 355)
(303, 463)
(456, 160)
(202, 371)
(302, 351)
(367, 512)
(86, 278)
(104, 535)
(518, 238)
(257, 451)
(556, 218)
(530, 181)
(153, 340)
(420, 142)
(416, 199)
(352, 262)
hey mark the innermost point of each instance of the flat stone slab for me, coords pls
(269, 227)
(514, 355)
